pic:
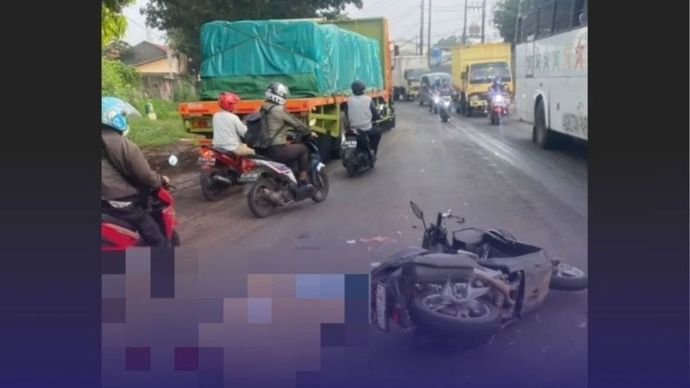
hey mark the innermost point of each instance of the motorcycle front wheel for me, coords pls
(257, 200)
(175, 239)
(321, 186)
(566, 277)
(475, 319)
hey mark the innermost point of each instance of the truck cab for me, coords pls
(476, 79)
(413, 79)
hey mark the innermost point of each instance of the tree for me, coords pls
(448, 41)
(182, 19)
(505, 17)
(113, 23)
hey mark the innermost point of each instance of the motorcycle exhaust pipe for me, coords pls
(275, 198)
(223, 179)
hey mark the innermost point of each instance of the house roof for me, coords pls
(144, 52)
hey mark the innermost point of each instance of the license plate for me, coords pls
(249, 177)
(206, 161)
(381, 313)
(350, 144)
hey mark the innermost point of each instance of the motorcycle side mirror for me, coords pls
(172, 160)
(417, 211)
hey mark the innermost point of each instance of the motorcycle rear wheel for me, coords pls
(212, 190)
(481, 321)
(261, 207)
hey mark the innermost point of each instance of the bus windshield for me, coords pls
(485, 72)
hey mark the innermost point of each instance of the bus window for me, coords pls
(564, 15)
(545, 20)
(529, 27)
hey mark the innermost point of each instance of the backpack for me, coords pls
(257, 129)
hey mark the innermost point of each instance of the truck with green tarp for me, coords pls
(317, 60)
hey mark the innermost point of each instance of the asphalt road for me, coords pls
(493, 176)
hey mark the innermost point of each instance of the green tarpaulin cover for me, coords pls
(310, 58)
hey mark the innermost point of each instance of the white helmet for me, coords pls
(277, 93)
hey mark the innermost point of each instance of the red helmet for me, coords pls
(228, 100)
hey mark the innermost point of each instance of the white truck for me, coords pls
(407, 72)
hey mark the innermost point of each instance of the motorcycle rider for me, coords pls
(361, 112)
(495, 88)
(126, 176)
(279, 121)
(228, 128)
(441, 88)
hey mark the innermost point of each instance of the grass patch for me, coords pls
(157, 133)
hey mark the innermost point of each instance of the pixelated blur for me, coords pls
(164, 325)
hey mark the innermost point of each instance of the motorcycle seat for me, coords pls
(445, 260)
(469, 236)
(222, 151)
(434, 267)
(116, 221)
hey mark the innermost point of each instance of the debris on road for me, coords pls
(380, 239)
(351, 241)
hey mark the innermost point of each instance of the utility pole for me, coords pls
(464, 27)
(421, 31)
(428, 48)
(483, 17)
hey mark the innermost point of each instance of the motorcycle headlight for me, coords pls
(436, 99)
(446, 103)
(498, 98)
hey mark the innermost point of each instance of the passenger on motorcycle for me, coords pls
(279, 120)
(126, 177)
(228, 129)
(361, 112)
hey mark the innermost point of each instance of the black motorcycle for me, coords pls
(356, 154)
(467, 288)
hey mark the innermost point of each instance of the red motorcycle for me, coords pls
(118, 235)
(220, 170)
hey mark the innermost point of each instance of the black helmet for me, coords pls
(277, 92)
(358, 87)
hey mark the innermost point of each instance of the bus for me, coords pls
(551, 69)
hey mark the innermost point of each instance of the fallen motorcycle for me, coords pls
(468, 288)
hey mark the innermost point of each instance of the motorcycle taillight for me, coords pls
(248, 164)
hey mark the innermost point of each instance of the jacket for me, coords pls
(277, 119)
(130, 159)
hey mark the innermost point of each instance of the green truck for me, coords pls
(317, 60)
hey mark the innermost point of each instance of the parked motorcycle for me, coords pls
(498, 108)
(274, 184)
(356, 155)
(468, 288)
(118, 235)
(220, 170)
